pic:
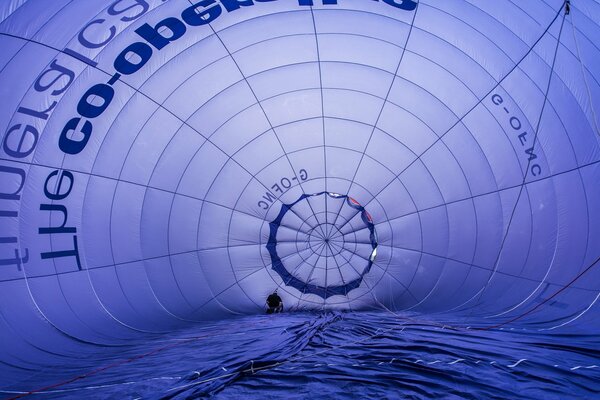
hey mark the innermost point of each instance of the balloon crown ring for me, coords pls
(325, 241)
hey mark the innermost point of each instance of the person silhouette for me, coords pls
(274, 303)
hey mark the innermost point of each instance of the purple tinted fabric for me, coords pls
(148, 146)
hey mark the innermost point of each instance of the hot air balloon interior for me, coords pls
(299, 199)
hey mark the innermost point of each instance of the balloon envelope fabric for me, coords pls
(166, 163)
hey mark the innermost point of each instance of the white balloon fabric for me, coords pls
(164, 162)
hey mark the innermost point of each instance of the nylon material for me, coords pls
(125, 234)
(175, 159)
(248, 258)
(586, 151)
(517, 22)
(194, 185)
(284, 79)
(214, 79)
(545, 226)
(248, 13)
(104, 281)
(368, 167)
(20, 354)
(356, 77)
(176, 79)
(54, 219)
(254, 58)
(113, 150)
(70, 101)
(590, 8)
(592, 196)
(56, 21)
(383, 27)
(425, 277)
(244, 226)
(229, 185)
(168, 293)
(452, 273)
(471, 159)
(60, 312)
(539, 11)
(435, 231)
(349, 134)
(128, 329)
(572, 50)
(501, 157)
(417, 136)
(467, 71)
(11, 47)
(215, 269)
(266, 28)
(12, 357)
(341, 163)
(444, 169)
(246, 154)
(463, 228)
(489, 208)
(148, 146)
(338, 105)
(42, 334)
(228, 103)
(555, 147)
(183, 223)
(595, 90)
(543, 54)
(377, 54)
(292, 107)
(23, 93)
(234, 306)
(465, 38)
(97, 221)
(44, 218)
(580, 145)
(180, 286)
(590, 53)
(187, 282)
(421, 185)
(406, 232)
(437, 115)
(526, 86)
(89, 311)
(467, 290)
(342, 124)
(372, 9)
(272, 168)
(18, 88)
(399, 157)
(154, 232)
(212, 226)
(518, 239)
(439, 82)
(488, 302)
(475, 18)
(571, 224)
(116, 302)
(9, 8)
(97, 38)
(17, 13)
(587, 52)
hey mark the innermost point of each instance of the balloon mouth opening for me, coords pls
(336, 252)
